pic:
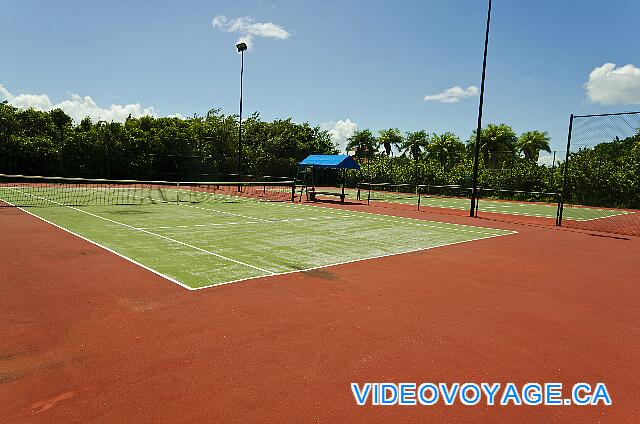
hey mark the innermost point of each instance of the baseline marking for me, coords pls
(270, 273)
(160, 236)
(133, 261)
(386, 255)
(174, 241)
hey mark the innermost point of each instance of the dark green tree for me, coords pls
(497, 144)
(531, 143)
(447, 149)
(414, 144)
(390, 138)
(364, 143)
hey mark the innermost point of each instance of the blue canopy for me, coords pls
(330, 161)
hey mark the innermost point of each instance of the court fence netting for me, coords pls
(492, 202)
(601, 185)
(39, 191)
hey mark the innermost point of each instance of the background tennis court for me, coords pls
(223, 238)
(534, 209)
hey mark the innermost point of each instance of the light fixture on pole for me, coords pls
(241, 48)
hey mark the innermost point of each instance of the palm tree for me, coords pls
(532, 142)
(446, 148)
(390, 138)
(496, 143)
(414, 144)
(364, 143)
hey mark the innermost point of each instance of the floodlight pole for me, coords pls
(474, 191)
(241, 48)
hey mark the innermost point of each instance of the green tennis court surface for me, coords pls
(487, 205)
(228, 239)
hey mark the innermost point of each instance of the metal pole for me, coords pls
(606, 114)
(416, 176)
(474, 191)
(343, 180)
(595, 191)
(62, 155)
(564, 179)
(240, 126)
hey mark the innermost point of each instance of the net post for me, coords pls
(419, 192)
(177, 192)
(369, 194)
(293, 192)
(563, 194)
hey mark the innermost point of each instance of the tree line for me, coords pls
(417, 157)
(607, 174)
(49, 143)
(206, 148)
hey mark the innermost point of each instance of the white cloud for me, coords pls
(77, 107)
(340, 131)
(248, 28)
(609, 85)
(453, 94)
(548, 159)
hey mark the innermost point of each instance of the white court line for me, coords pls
(449, 206)
(174, 241)
(222, 224)
(495, 205)
(492, 205)
(345, 213)
(487, 207)
(396, 219)
(386, 255)
(173, 280)
(226, 213)
(271, 273)
(161, 236)
(349, 213)
(599, 217)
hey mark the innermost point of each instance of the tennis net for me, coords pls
(403, 193)
(38, 191)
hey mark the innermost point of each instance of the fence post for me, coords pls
(563, 194)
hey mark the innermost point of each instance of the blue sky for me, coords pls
(369, 62)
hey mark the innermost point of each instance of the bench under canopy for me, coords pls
(341, 162)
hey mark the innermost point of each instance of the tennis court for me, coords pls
(508, 207)
(199, 235)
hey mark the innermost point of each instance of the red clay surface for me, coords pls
(626, 224)
(89, 337)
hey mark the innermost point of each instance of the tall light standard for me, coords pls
(476, 156)
(241, 48)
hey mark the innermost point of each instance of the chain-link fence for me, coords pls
(601, 187)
